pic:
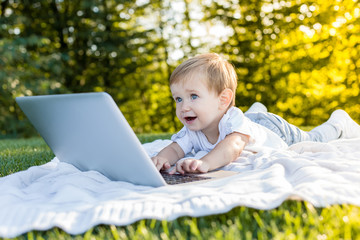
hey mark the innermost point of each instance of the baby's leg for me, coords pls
(257, 107)
(289, 132)
(344, 125)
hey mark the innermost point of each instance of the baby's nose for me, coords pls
(185, 106)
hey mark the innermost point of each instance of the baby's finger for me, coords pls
(166, 166)
(179, 168)
(158, 164)
(193, 165)
(186, 165)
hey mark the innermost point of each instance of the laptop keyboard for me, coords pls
(181, 178)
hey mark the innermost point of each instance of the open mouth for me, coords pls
(189, 119)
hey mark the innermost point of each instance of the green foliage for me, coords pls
(291, 220)
(49, 47)
(300, 58)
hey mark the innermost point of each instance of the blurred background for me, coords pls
(300, 58)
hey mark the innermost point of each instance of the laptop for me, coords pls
(89, 131)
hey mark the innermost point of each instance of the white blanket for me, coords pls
(57, 194)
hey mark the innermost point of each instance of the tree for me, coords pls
(300, 58)
(288, 54)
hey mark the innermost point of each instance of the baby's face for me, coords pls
(197, 107)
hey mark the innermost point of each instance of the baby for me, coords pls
(203, 88)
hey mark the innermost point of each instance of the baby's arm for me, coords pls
(168, 156)
(224, 153)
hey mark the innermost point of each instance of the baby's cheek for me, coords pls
(178, 115)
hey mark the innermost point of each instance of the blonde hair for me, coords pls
(218, 72)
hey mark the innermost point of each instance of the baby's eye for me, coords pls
(194, 96)
(178, 99)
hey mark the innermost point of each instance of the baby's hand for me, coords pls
(191, 166)
(161, 163)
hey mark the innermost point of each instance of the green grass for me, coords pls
(291, 220)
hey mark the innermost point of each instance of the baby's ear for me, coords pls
(225, 98)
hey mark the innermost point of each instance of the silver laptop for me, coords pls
(89, 131)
